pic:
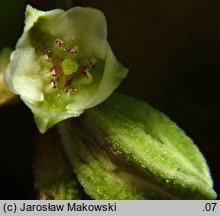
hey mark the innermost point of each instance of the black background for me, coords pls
(172, 49)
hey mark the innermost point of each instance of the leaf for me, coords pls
(126, 149)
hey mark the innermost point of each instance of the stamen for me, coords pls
(53, 70)
(53, 84)
(92, 62)
(59, 42)
(68, 89)
(72, 51)
(47, 56)
(85, 70)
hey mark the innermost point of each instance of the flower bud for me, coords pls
(126, 149)
(63, 64)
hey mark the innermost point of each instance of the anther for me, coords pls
(68, 89)
(85, 70)
(53, 70)
(92, 62)
(47, 56)
(72, 51)
(53, 83)
(59, 42)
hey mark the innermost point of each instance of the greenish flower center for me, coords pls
(65, 64)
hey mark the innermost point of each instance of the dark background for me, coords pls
(172, 49)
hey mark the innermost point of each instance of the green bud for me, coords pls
(54, 178)
(63, 64)
(126, 149)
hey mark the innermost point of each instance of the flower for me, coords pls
(63, 64)
(126, 149)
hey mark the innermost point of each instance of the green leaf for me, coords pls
(126, 149)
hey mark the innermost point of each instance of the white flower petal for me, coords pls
(85, 27)
(22, 75)
(32, 15)
(114, 72)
